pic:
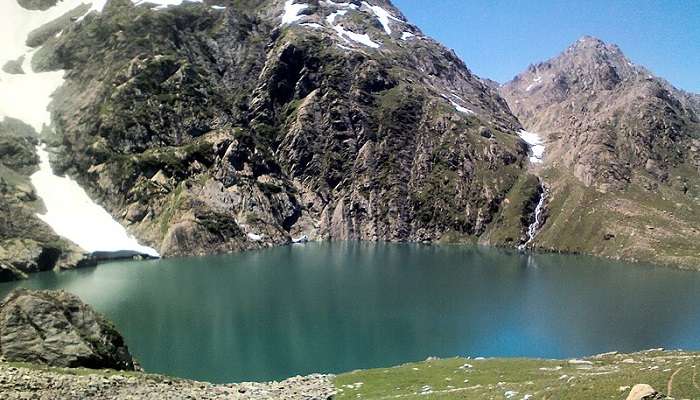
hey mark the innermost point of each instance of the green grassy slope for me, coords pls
(602, 377)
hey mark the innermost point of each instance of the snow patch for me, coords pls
(313, 25)
(161, 4)
(356, 37)
(69, 210)
(456, 105)
(99, 5)
(348, 36)
(16, 23)
(342, 4)
(407, 35)
(218, 8)
(331, 18)
(535, 82)
(535, 144)
(254, 237)
(73, 215)
(291, 12)
(27, 96)
(383, 16)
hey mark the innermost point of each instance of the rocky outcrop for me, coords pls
(644, 392)
(57, 329)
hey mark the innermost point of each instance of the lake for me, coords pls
(335, 307)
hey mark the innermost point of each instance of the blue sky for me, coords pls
(498, 38)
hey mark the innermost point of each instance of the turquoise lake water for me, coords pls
(335, 307)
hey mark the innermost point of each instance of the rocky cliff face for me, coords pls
(239, 124)
(57, 329)
(622, 154)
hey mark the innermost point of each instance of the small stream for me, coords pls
(538, 220)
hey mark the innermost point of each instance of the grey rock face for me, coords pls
(604, 117)
(57, 329)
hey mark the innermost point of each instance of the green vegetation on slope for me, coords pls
(640, 223)
(608, 376)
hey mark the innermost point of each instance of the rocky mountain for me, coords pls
(229, 125)
(224, 125)
(622, 158)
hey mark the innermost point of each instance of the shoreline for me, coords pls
(613, 373)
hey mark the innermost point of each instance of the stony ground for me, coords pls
(25, 381)
(609, 376)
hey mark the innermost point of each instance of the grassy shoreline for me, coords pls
(605, 376)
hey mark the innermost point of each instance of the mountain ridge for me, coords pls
(223, 125)
(620, 141)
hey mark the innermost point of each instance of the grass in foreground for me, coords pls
(602, 377)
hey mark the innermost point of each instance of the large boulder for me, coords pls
(56, 328)
(644, 392)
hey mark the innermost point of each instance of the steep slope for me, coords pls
(228, 125)
(622, 158)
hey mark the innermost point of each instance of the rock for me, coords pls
(136, 212)
(644, 392)
(57, 329)
(485, 132)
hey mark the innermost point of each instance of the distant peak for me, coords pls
(588, 43)
(588, 40)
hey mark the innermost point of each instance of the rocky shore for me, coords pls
(43, 332)
(28, 381)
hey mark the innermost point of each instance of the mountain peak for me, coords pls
(590, 45)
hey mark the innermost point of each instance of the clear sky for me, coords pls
(500, 38)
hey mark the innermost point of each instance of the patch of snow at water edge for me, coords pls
(291, 12)
(73, 215)
(383, 16)
(69, 210)
(536, 145)
(407, 35)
